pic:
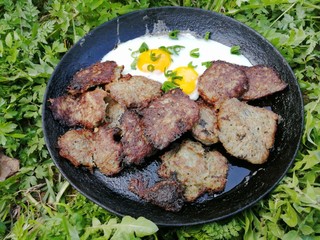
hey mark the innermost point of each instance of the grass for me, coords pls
(37, 203)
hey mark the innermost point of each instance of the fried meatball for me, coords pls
(168, 117)
(96, 74)
(263, 81)
(221, 81)
(206, 129)
(247, 132)
(86, 110)
(136, 92)
(199, 171)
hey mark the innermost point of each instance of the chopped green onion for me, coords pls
(143, 48)
(153, 57)
(150, 68)
(190, 64)
(195, 53)
(168, 85)
(174, 34)
(175, 49)
(235, 50)
(207, 35)
(134, 64)
(207, 64)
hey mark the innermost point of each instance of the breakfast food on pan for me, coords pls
(86, 110)
(263, 81)
(222, 81)
(97, 74)
(206, 129)
(135, 92)
(83, 147)
(167, 194)
(197, 170)
(135, 145)
(247, 132)
(151, 107)
(168, 117)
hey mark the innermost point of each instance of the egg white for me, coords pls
(209, 50)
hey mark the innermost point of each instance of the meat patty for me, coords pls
(96, 74)
(247, 132)
(263, 81)
(76, 146)
(83, 147)
(197, 170)
(136, 92)
(167, 194)
(86, 110)
(221, 81)
(108, 152)
(168, 117)
(135, 145)
(206, 129)
(114, 112)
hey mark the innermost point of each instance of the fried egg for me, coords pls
(180, 61)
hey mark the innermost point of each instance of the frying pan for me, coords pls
(246, 185)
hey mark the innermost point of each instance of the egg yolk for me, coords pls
(185, 78)
(154, 59)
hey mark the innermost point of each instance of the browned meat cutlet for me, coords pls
(167, 194)
(199, 171)
(263, 81)
(76, 146)
(247, 132)
(108, 152)
(86, 110)
(114, 112)
(96, 74)
(168, 117)
(83, 147)
(206, 129)
(135, 145)
(136, 92)
(221, 81)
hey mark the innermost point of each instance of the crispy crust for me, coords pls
(198, 170)
(167, 194)
(206, 128)
(263, 81)
(247, 132)
(135, 92)
(168, 117)
(86, 110)
(135, 145)
(96, 74)
(221, 81)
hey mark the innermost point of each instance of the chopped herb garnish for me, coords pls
(143, 48)
(190, 64)
(207, 64)
(207, 35)
(235, 50)
(172, 75)
(150, 68)
(154, 57)
(195, 53)
(134, 64)
(168, 85)
(174, 34)
(175, 49)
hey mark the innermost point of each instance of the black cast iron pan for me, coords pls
(247, 184)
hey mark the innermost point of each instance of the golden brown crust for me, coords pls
(168, 117)
(247, 132)
(96, 74)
